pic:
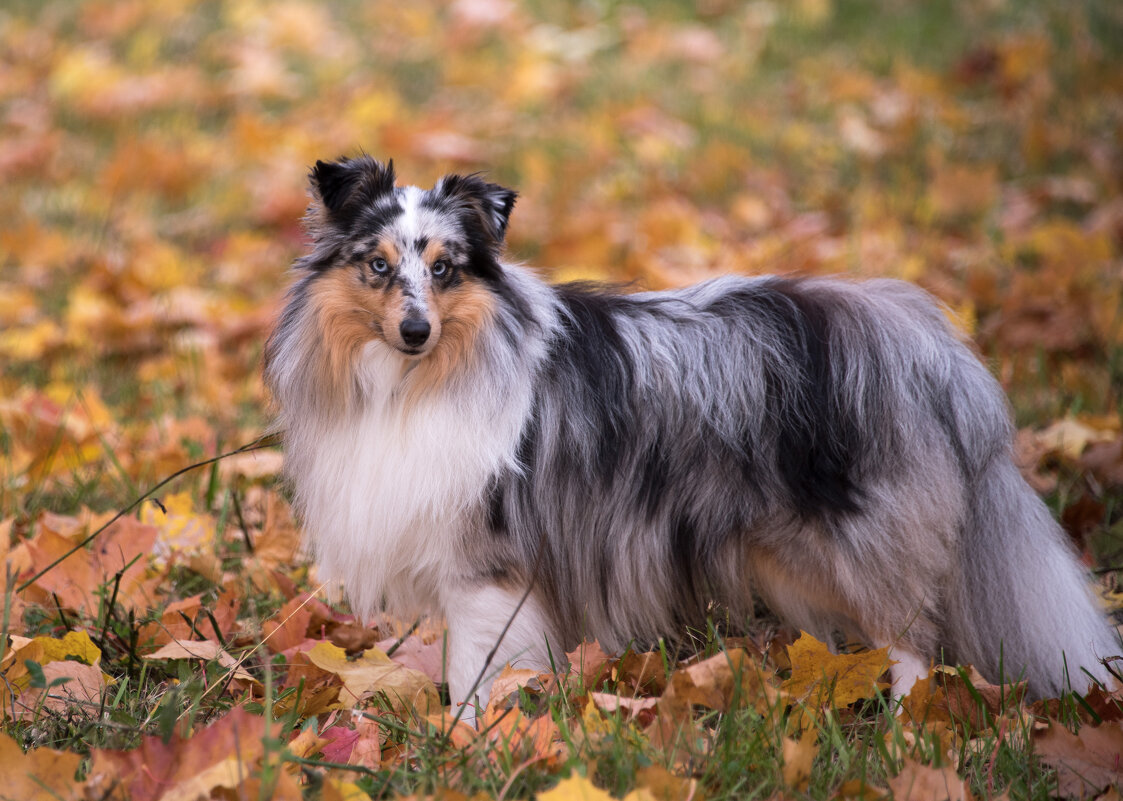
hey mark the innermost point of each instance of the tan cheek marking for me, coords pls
(346, 312)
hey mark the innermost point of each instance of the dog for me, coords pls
(545, 464)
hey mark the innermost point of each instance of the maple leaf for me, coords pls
(845, 678)
(65, 686)
(375, 673)
(589, 662)
(1086, 762)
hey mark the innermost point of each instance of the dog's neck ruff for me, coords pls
(386, 489)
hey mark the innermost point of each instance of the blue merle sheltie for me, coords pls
(543, 464)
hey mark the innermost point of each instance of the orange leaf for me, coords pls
(39, 775)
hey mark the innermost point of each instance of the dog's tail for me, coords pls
(1022, 606)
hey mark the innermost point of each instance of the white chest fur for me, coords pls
(384, 491)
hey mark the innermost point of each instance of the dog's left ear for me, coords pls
(490, 204)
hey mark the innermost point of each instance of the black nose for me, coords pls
(414, 332)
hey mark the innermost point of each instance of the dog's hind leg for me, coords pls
(488, 627)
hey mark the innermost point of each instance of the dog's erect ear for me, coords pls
(491, 203)
(344, 186)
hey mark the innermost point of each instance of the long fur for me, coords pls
(830, 446)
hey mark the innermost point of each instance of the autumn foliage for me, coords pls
(153, 159)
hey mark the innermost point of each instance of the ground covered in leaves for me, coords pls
(153, 158)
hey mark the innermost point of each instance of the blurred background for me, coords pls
(153, 162)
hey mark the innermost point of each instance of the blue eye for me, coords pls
(440, 267)
(380, 266)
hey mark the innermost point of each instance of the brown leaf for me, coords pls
(288, 628)
(590, 663)
(712, 682)
(505, 689)
(376, 673)
(644, 672)
(1104, 460)
(207, 650)
(1086, 762)
(918, 782)
(81, 686)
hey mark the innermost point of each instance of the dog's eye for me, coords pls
(380, 266)
(440, 267)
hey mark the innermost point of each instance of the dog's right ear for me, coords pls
(344, 186)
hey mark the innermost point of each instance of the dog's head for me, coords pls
(406, 265)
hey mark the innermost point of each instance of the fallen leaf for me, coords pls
(798, 756)
(376, 673)
(918, 782)
(1086, 762)
(206, 650)
(414, 652)
(505, 689)
(575, 788)
(39, 775)
(78, 687)
(288, 628)
(845, 678)
(589, 661)
(639, 709)
(223, 755)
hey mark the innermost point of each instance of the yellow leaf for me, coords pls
(575, 788)
(180, 528)
(846, 678)
(798, 757)
(49, 649)
(338, 789)
(30, 343)
(376, 673)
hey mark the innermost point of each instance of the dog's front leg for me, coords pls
(489, 627)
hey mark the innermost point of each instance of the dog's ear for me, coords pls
(344, 186)
(489, 204)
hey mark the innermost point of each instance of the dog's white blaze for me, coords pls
(384, 491)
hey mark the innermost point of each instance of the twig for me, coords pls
(242, 521)
(390, 651)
